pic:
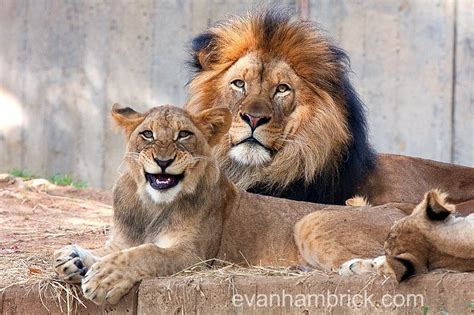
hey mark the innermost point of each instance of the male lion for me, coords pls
(298, 127)
(173, 207)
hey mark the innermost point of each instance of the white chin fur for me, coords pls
(165, 196)
(250, 154)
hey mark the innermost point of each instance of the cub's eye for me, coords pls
(282, 88)
(147, 134)
(183, 134)
(238, 84)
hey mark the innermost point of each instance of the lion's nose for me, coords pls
(254, 121)
(163, 164)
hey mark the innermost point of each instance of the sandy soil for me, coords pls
(37, 218)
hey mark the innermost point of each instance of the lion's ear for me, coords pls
(437, 209)
(405, 266)
(202, 48)
(126, 118)
(214, 123)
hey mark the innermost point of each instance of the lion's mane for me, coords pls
(307, 173)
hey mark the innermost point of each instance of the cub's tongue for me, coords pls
(163, 181)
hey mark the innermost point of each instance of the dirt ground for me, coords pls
(37, 218)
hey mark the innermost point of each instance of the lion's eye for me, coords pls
(147, 134)
(282, 88)
(183, 134)
(238, 84)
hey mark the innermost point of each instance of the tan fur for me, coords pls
(308, 131)
(207, 217)
(419, 243)
(403, 179)
(334, 235)
(357, 201)
(143, 231)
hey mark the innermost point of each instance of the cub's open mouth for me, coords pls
(163, 181)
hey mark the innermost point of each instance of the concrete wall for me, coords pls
(229, 294)
(63, 63)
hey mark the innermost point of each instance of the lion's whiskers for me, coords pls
(132, 155)
(211, 161)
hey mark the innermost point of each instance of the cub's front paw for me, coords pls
(359, 266)
(109, 279)
(69, 263)
(356, 266)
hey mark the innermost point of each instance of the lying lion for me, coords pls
(174, 208)
(430, 238)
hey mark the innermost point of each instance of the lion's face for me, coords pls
(283, 128)
(168, 150)
(261, 97)
(295, 116)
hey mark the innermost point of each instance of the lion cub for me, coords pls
(169, 204)
(430, 238)
(174, 208)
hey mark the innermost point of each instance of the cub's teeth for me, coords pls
(166, 181)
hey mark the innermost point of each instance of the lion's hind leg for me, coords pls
(311, 243)
(326, 239)
(329, 237)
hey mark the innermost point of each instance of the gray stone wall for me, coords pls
(64, 63)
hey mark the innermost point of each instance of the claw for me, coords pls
(61, 263)
(351, 266)
(79, 264)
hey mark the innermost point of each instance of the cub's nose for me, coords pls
(253, 120)
(163, 164)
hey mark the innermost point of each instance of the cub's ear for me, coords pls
(214, 123)
(437, 209)
(405, 266)
(126, 118)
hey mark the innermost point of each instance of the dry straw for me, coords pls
(42, 279)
